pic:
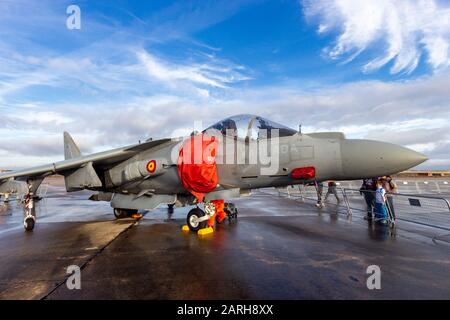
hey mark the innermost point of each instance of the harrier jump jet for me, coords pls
(225, 161)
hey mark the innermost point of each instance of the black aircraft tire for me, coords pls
(196, 212)
(119, 213)
(29, 223)
(130, 212)
(124, 213)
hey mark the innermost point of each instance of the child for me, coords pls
(380, 203)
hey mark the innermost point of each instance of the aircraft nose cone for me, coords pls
(367, 158)
(410, 157)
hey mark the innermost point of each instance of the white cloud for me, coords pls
(412, 113)
(210, 73)
(406, 29)
(168, 73)
(108, 95)
(96, 71)
(43, 118)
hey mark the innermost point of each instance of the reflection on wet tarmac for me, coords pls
(279, 249)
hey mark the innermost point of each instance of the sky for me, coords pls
(139, 69)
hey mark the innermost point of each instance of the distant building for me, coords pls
(424, 173)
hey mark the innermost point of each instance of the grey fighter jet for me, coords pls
(249, 152)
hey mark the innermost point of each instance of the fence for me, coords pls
(408, 186)
(427, 210)
(433, 211)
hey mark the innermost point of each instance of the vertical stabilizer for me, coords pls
(71, 150)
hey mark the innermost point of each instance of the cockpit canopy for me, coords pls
(251, 126)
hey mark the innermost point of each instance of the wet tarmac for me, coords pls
(278, 249)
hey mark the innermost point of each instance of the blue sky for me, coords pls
(375, 69)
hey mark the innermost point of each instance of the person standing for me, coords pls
(367, 189)
(332, 189)
(319, 189)
(391, 188)
(380, 203)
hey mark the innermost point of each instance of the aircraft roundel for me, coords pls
(151, 166)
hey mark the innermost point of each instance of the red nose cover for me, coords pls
(197, 165)
(303, 173)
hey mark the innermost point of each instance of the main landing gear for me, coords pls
(231, 212)
(124, 213)
(197, 219)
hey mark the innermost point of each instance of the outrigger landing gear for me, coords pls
(30, 215)
(29, 220)
(124, 213)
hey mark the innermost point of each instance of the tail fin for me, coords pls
(71, 150)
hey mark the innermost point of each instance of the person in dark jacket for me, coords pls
(368, 189)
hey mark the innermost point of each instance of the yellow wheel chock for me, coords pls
(136, 216)
(201, 232)
(205, 231)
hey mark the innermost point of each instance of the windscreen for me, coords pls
(251, 126)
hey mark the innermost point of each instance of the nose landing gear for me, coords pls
(197, 219)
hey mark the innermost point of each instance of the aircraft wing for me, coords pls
(101, 159)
